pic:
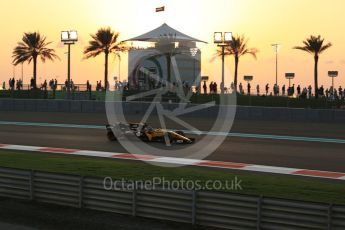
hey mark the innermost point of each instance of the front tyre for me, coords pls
(192, 140)
(111, 136)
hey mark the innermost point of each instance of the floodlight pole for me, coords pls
(69, 38)
(223, 68)
(69, 69)
(223, 72)
(276, 67)
(222, 41)
(276, 46)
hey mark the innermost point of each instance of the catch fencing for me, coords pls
(205, 208)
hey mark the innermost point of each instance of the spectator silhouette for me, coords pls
(204, 87)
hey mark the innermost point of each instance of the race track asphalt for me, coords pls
(283, 153)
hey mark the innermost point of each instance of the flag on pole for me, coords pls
(160, 9)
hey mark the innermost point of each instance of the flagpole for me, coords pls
(161, 10)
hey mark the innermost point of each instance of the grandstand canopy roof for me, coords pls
(164, 31)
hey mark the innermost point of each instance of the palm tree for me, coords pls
(32, 46)
(104, 41)
(238, 47)
(315, 46)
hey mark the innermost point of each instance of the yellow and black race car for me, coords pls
(146, 133)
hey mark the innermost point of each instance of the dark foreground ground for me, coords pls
(15, 214)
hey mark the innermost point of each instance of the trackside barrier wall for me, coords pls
(205, 208)
(134, 108)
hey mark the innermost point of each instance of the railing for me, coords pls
(215, 209)
(49, 94)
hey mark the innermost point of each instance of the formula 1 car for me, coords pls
(146, 133)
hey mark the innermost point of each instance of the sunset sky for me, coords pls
(263, 22)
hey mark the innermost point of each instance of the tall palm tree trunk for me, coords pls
(35, 72)
(316, 85)
(106, 71)
(236, 72)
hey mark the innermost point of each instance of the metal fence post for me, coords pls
(194, 196)
(258, 223)
(329, 217)
(134, 202)
(81, 185)
(31, 185)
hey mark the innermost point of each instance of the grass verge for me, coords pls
(289, 187)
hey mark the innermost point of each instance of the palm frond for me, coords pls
(32, 46)
(238, 47)
(325, 47)
(103, 41)
(314, 45)
(303, 49)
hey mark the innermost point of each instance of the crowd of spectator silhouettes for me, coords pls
(299, 92)
(211, 88)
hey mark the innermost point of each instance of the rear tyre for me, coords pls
(171, 139)
(144, 138)
(111, 136)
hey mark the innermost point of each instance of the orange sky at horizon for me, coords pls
(263, 22)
